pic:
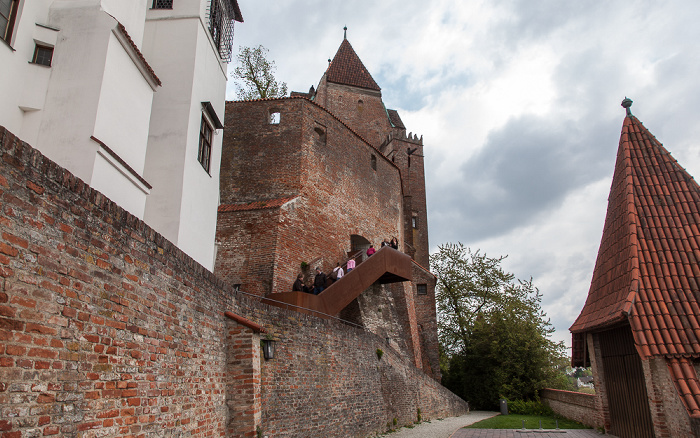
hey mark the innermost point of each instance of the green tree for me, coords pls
(255, 77)
(493, 332)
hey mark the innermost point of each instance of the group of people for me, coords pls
(394, 243)
(321, 279)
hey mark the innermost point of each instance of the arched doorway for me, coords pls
(358, 244)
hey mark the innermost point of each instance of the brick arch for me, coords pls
(358, 242)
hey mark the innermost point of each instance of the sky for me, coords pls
(518, 103)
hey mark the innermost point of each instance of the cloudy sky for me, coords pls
(518, 102)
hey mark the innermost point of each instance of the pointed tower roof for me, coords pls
(647, 272)
(347, 69)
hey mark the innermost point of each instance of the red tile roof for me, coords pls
(256, 205)
(647, 268)
(686, 381)
(347, 69)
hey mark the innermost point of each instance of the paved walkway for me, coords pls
(510, 433)
(442, 428)
(453, 428)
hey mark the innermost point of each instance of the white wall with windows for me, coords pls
(80, 82)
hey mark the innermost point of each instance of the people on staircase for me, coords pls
(319, 281)
(394, 243)
(371, 250)
(299, 285)
(351, 264)
(337, 273)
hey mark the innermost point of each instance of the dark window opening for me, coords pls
(374, 162)
(205, 140)
(42, 55)
(414, 222)
(8, 14)
(320, 135)
(221, 15)
(422, 289)
(162, 4)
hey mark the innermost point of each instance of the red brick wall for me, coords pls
(339, 193)
(106, 328)
(576, 406)
(326, 380)
(668, 413)
(426, 317)
(362, 110)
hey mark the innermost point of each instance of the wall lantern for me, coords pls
(268, 349)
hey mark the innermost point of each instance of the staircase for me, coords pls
(386, 266)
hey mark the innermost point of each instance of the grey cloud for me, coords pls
(524, 170)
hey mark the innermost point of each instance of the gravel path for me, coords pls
(442, 428)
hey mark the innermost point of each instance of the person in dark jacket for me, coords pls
(319, 281)
(299, 285)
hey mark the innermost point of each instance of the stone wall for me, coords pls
(326, 380)
(338, 190)
(106, 328)
(576, 406)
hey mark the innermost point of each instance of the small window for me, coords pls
(320, 135)
(414, 222)
(8, 14)
(374, 162)
(275, 118)
(162, 4)
(205, 140)
(42, 55)
(422, 289)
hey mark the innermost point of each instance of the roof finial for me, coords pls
(626, 104)
(345, 33)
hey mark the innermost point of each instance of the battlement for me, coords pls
(410, 138)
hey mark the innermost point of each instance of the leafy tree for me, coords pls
(255, 75)
(492, 330)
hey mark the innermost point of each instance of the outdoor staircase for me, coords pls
(386, 266)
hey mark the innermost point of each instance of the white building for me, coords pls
(129, 96)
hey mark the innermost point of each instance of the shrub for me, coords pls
(529, 407)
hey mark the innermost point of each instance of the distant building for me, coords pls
(136, 89)
(640, 326)
(314, 180)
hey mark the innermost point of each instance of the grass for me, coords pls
(514, 421)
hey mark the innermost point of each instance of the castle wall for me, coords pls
(327, 380)
(362, 110)
(342, 190)
(109, 329)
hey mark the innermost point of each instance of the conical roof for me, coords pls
(347, 69)
(647, 270)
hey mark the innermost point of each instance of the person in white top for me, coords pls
(338, 271)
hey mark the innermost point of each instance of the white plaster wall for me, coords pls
(109, 175)
(170, 46)
(130, 13)
(122, 122)
(124, 107)
(73, 94)
(200, 198)
(15, 63)
(183, 203)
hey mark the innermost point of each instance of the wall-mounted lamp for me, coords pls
(268, 349)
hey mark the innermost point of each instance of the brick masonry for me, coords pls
(576, 406)
(335, 185)
(106, 328)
